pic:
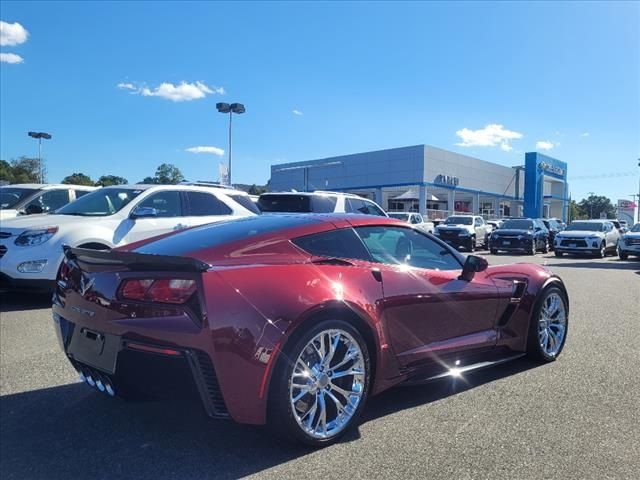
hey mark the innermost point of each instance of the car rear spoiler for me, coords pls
(95, 260)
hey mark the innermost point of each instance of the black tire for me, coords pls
(534, 348)
(485, 246)
(494, 251)
(622, 255)
(471, 246)
(602, 252)
(532, 250)
(546, 248)
(558, 254)
(281, 418)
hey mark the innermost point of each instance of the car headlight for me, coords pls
(30, 238)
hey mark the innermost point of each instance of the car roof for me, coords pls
(43, 186)
(180, 186)
(318, 192)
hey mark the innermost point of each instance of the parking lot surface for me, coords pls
(576, 418)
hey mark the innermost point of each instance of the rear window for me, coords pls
(292, 203)
(216, 234)
(343, 243)
(246, 202)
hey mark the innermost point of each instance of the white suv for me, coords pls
(467, 231)
(318, 202)
(414, 219)
(33, 198)
(595, 237)
(31, 247)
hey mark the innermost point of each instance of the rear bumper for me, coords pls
(155, 370)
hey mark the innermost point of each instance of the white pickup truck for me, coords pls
(414, 219)
(467, 231)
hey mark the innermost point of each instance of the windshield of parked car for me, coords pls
(517, 225)
(10, 197)
(635, 228)
(101, 203)
(588, 226)
(459, 221)
(399, 216)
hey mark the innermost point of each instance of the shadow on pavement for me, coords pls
(614, 264)
(72, 431)
(17, 301)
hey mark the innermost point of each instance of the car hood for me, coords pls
(513, 231)
(27, 222)
(632, 235)
(579, 234)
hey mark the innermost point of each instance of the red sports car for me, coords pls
(294, 320)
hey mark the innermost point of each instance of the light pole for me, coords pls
(40, 136)
(230, 109)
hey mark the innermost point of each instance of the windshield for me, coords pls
(400, 216)
(101, 203)
(588, 226)
(517, 225)
(458, 221)
(636, 228)
(10, 197)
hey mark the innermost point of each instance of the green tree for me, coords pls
(594, 205)
(106, 180)
(149, 180)
(168, 174)
(573, 211)
(6, 172)
(25, 170)
(78, 179)
(256, 190)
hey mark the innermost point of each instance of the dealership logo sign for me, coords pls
(547, 167)
(447, 180)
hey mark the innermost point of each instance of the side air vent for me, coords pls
(519, 288)
(207, 383)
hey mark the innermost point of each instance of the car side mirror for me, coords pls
(473, 265)
(33, 209)
(143, 212)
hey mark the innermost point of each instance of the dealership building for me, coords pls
(436, 182)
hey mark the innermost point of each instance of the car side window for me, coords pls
(51, 200)
(417, 218)
(405, 246)
(342, 243)
(205, 204)
(478, 222)
(80, 193)
(167, 204)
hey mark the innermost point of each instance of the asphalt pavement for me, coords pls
(576, 418)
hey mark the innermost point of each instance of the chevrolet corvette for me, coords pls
(295, 320)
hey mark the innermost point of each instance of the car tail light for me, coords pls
(163, 290)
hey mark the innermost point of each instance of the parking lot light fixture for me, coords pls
(40, 136)
(230, 108)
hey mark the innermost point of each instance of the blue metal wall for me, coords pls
(537, 166)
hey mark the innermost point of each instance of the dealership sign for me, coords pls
(547, 167)
(447, 180)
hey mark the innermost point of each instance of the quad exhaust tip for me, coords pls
(97, 380)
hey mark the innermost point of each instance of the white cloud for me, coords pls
(297, 112)
(585, 134)
(12, 34)
(203, 149)
(10, 58)
(545, 145)
(181, 92)
(127, 86)
(492, 135)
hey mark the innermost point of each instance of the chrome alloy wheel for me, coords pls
(552, 324)
(327, 383)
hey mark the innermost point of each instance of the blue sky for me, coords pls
(103, 78)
